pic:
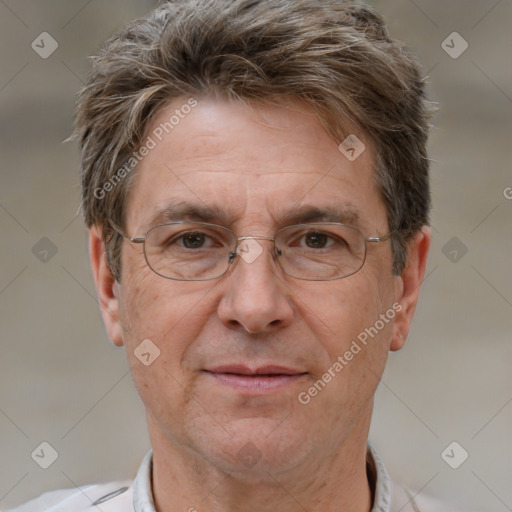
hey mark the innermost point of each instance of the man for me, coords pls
(255, 183)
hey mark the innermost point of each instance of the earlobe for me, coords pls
(107, 288)
(409, 286)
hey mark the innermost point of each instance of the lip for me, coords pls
(260, 380)
(240, 369)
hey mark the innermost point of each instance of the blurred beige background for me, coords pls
(62, 382)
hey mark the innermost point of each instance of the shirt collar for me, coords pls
(142, 490)
(143, 494)
(383, 486)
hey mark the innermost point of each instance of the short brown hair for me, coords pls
(336, 56)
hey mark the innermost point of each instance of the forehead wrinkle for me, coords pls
(251, 172)
(232, 165)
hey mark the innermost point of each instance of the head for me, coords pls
(248, 110)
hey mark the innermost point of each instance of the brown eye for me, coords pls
(193, 240)
(316, 240)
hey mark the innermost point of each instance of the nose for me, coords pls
(255, 297)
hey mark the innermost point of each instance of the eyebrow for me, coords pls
(344, 214)
(300, 214)
(181, 210)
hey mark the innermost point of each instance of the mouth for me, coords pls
(261, 380)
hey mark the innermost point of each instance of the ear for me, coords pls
(106, 286)
(409, 285)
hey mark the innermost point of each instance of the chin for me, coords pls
(259, 449)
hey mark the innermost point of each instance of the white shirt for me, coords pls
(137, 495)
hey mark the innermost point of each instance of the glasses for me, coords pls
(201, 251)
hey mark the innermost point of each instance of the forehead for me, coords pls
(258, 162)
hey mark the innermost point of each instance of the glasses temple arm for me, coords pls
(382, 238)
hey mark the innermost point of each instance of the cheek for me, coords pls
(160, 320)
(169, 313)
(339, 311)
(346, 321)
(139, 303)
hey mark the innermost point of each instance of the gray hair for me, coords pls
(334, 55)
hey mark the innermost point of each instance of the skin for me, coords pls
(256, 163)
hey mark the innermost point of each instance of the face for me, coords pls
(255, 365)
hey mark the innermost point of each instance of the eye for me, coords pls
(186, 240)
(316, 239)
(194, 240)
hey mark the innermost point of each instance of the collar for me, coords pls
(378, 477)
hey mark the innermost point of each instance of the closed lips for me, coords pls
(264, 371)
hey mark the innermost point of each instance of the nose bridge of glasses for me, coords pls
(242, 238)
(244, 245)
(248, 248)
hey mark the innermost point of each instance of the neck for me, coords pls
(184, 480)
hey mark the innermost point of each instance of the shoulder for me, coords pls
(113, 496)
